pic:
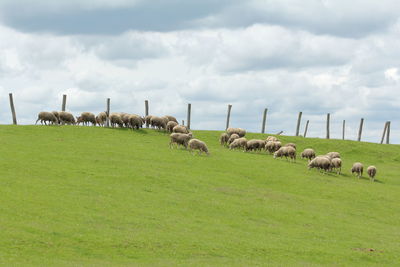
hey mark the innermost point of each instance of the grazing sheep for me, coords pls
(66, 118)
(255, 144)
(272, 146)
(336, 163)
(239, 143)
(171, 118)
(291, 144)
(232, 138)
(57, 114)
(135, 121)
(171, 125)
(85, 118)
(286, 151)
(158, 122)
(115, 118)
(358, 169)
(321, 163)
(47, 116)
(196, 144)
(125, 118)
(101, 118)
(272, 138)
(333, 155)
(371, 170)
(180, 129)
(308, 153)
(180, 139)
(223, 139)
(147, 120)
(239, 131)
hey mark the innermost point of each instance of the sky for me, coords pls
(314, 56)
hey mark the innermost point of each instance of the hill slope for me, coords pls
(88, 195)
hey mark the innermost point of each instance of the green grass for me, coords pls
(101, 197)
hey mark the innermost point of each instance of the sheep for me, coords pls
(180, 129)
(255, 144)
(101, 118)
(47, 116)
(358, 169)
(239, 131)
(85, 118)
(171, 125)
(180, 139)
(115, 118)
(272, 146)
(147, 120)
(308, 153)
(336, 163)
(371, 170)
(239, 143)
(135, 121)
(333, 155)
(232, 137)
(223, 139)
(286, 151)
(171, 118)
(158, 122)
(291, 144)
(125, 118)
(66, 117)
(321, 163)
(56, 113)
(196, 144)
(272, 138)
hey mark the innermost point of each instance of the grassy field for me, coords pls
(100, 197)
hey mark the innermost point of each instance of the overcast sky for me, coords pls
(315, 56)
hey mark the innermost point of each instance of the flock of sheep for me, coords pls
(181, 136)
(234, 139)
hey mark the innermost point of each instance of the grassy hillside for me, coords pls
(94, 196)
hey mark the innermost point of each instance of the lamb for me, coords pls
(171, 125)
(158, 122)
(239, 131)
(371, 170)
(66, 117)
(180, 139)
(272, 138)
(239, 143)
(336, 163)
(171, 118)
(286, 151)
(291, 144)
(223, 139)
(272, 146)
(358, 169)
(321, 163)
(196, 144)
(308, 153)
(135, 121)
(232, 137)
(255, 144)
(115, 118)
(101, 118)
(86, 118)
(47, 116)
(180, 129)
(333, 155)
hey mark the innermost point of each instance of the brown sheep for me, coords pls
(223, 139)
(85, 118)
(239, 143)
(286, 151)
(158, 122)
(180, 129)
(135, 121)
(180, 139)
(357, 169)
(47, 116)
(336, 163)
(232, 138)
(239, 131)
(196, 144)
(101, 118)
(66, 118)
(171, 125)
(321, 163)
(371, 170)
(308, 153)
(255, 144)
(115, 119)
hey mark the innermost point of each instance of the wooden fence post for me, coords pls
(343, 129)
(188, 115)
(228, 116)
(183, 122)
(108, 113)
(384, 132)
(298, 123)
(263, 121)
(388, 132)
(360, 129)
(328, 118)
(64, 103)
(14, 116)
(305, 130)
(146, 111)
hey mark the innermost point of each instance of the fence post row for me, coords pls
(146, 111)
(388, 132)
(384, 132)
(14, 116)
(305, 130)
(263, 121)
(108, 113)
(343, 129)
(188, 115)
(64, 103)
(228, 116)
(360, 129)
(328, 117)
(298, 123)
